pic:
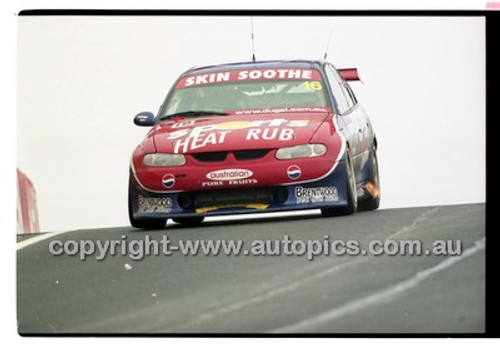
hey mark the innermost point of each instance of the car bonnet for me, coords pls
(236, 132)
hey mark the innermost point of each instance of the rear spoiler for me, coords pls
(349, 74)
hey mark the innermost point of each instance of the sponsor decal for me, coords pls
(249, 75)
(316, 194)
(229, 177)
(302, 109)
(212, 184)
(199, 140)
(270, 134)
(229, 183)
(294, 172)
(188, 139)
(184, 123)
(237, 125)
(142, 118)
(257, 206)
(243, 182)
(168, 180)
(154, 205)
(229, 174)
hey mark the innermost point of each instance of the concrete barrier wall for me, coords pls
(27, 211)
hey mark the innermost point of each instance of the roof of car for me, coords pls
(298, 63)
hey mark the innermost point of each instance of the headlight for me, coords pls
(163, 160)
(301, 151)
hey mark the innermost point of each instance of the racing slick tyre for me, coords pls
(190, 221)
(149, 224)
(372, 202)
(352, 197)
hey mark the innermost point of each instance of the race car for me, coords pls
(260, 136)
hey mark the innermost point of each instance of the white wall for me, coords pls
(82, 79)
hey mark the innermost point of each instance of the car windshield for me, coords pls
(238, 96)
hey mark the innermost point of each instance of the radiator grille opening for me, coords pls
(250, 154)
(233, 197)
(210, 156)
(244, 155)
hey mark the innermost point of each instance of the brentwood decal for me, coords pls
(249, 75)
(316, 194)
(154, 205)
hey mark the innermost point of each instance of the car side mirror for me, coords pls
(144, 118)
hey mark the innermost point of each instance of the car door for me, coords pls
(363, 125)
(350, 119)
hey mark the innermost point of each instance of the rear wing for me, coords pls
(350, 74)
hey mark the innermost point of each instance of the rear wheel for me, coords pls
(372, 186)
(149, 223)
(190, 221)
(352, 197)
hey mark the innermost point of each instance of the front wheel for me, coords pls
(352, 197)
(190, 221)
(148, 224)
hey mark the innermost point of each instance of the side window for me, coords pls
(348, 93)
(351, 94)
(338, 91)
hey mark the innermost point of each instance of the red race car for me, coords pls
(251, 137)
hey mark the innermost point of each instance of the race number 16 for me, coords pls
(313, 85)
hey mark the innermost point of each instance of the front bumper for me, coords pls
(331, 191)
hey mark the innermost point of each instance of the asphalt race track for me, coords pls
(264, 294)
